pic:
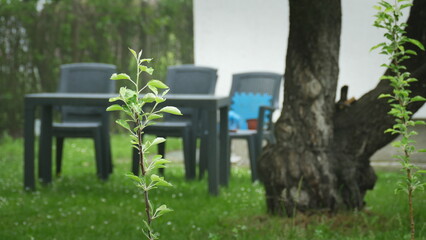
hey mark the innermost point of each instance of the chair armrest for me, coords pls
(260, 127)
(261, 117)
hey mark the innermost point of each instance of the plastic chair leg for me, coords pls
(100, 155)
(135, 161)
(193, 153)
(59, 151)
(161, 149)
(106, 142)
(251, 141)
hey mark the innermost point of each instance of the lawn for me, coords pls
(79, 206)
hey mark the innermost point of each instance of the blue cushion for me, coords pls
(246, 106)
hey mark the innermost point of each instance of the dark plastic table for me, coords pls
(217, 108)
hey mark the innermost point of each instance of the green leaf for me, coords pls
(386, 77)
(146, 69)
(121, 76)
(148, 226)
(377, 46)
(149, 97)
(146, 60)
(150, 70)
(154, 116)
(139, 54)
(164, 208)
(155, 178)
(378, 8)
(161, 210)
(133, 177)
(114, 99)
(161, 162)
(410, 80)
(384, 96)
(160, 181)
(153, 89)
(134, 137)
(419, 122)
(157, 84)
(126, 94)
(172, 110)
(396, 144)
(385, 65)
(165, 92)
(418, 99)
(385, 4)
(115, 107)
(417, 43)
(158, 141)
(389, 130)
(128, 111)
(159, 99)
(405, 6)
(156, 157)
(411, 52)
(158, 162)
(133, 53)
(123, 123)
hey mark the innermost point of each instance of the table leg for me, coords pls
(224, 147)
(192, 155)
(189, 150)
(213, 158)
(45, 148)
(29, 183)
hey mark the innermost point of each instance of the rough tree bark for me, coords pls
(321, 160)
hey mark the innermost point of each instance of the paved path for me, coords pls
(384, 156)
(381, 159)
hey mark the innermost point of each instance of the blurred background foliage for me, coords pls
(36, 37)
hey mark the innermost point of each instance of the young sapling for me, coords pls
(388, 18)
(135, 106)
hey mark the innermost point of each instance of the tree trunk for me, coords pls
(321, 160)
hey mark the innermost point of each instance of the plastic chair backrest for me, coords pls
(85, 78)
(190, 79)
(251, 90)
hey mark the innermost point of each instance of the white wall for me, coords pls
(240, 35)
(251, 35)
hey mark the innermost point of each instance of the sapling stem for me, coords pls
(142, 166)
(410, 205)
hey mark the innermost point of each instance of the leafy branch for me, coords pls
(388, 18)
(133, 105)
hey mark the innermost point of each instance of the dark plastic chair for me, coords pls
(183, 79)
(86, 122)
(255, 95)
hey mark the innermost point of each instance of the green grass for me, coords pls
(79, 206)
